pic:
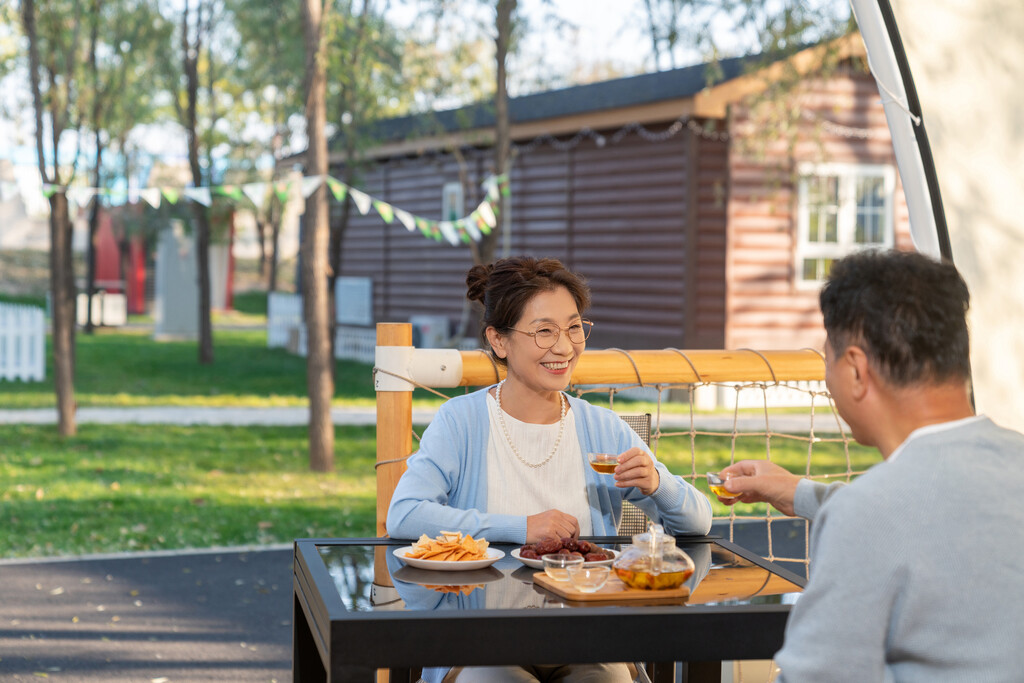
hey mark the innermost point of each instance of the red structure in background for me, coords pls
(108, 257)
(135, 278)
(126, 273)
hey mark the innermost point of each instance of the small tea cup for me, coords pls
(557, 566)
(589, 579)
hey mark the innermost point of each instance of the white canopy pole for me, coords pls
(924, 229)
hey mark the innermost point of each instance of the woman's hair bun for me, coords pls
(476, 282)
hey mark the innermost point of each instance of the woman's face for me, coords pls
(528, 364)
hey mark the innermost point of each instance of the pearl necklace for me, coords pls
(508, 438)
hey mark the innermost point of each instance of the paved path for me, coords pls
(193, 617)
(824, 422)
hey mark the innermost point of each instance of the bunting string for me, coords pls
(471, 228)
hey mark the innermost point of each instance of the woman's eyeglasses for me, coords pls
(547, 336)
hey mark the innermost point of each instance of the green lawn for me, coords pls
(138, 487)
(132, 487)
(142, 487)
(130, 369)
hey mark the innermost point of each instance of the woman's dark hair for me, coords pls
(504, 288)
(905, 310)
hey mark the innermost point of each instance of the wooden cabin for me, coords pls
(703, 209)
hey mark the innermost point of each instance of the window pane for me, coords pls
(870, 210)
(822, 208)
(832, 228)
(810, 269)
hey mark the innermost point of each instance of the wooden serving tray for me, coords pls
(613, 591)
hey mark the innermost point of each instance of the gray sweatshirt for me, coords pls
(917, 567)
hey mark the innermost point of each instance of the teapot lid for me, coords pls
(654, 541)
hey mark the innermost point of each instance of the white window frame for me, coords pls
(846, 223)
(453, 202)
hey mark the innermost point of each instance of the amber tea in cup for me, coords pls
(605, 463)
(717, 486)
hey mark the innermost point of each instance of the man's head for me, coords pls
(907, 312)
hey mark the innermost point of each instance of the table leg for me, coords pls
(661, 672)
(306, 664)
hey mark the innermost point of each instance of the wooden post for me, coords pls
(394, 425)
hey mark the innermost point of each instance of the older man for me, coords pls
(917, 567)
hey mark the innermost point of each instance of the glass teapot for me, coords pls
(653, 562)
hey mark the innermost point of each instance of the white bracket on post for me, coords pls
(402, 365)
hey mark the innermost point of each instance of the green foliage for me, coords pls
(132, 487)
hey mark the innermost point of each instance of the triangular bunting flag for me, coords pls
(151, 195)
(470, 227)
(361, 199)
(310, 185)
(406, 219)
(170, 195)
(338, 189)
(386, 211)
(424, 225)
(283, 191)
(487, 214)
(448, 230)
(49, 190)
(200, 195)
(256, 192)
(229, 191)
(491, 187)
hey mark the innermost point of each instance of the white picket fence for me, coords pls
(22, 343)
(284, 314)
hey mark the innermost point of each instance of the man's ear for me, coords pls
(861, 376)
(497, 342)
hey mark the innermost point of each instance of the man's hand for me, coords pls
(636, 468)
(551, 524)
(760, 481)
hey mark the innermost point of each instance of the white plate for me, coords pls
(538, 564)
(493, 555)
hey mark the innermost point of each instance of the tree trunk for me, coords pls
(62, 312)
(62, 277)
(190, 52)
(275, 232)
(337, 238)
(319, 377)
(203, 277)
(505, 11)
(90, 247)
(261, 239)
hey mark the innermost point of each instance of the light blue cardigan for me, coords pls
(445, 487)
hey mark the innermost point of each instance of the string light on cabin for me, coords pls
(639, 129)
(840, 130)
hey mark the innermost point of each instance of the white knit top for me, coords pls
(515, 489)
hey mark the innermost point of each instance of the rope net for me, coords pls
(791, 423)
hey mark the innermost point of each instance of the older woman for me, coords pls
(509, 462)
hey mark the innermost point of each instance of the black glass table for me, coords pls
(359, 609)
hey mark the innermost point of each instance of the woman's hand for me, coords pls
(551, 524)
(636, 468)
